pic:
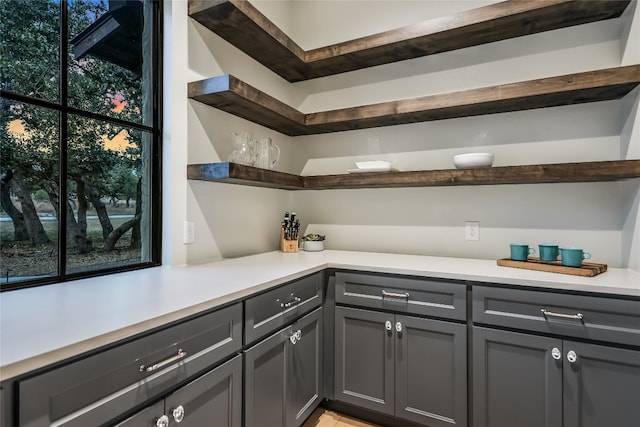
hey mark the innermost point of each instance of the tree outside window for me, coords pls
(79, 138)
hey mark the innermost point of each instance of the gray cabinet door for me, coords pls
(431, 371)
(265, 381)
(283, 375)
(214, 399)
(364, 359)
(601, 387)
(305, 368)
(516, 380)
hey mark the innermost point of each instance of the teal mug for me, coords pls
(521, 251)
(573, 257)
(548, 252)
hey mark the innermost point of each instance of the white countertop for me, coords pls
(42, 325)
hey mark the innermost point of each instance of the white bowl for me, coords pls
(473, 160)
(374, 164)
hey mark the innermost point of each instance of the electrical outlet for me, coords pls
(472, 230)
(189, 232)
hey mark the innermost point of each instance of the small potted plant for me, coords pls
(313, 242)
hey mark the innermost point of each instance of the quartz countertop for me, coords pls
(47, 324)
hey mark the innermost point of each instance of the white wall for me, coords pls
(630, 142)
(233, 220)
(229, 220)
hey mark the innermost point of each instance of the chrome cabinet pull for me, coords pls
(156, 366)
(295, 337)
(178, 414)
(398, 326)
(556, 353)
(403, 295)
(546, 313)
(293, 301)
(163, 421)
(572, 357)
(387, 325)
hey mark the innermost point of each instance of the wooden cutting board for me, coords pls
(587, 269)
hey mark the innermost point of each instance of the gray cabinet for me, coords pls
(390, 358)
(412, 368)
(536, 381)
(283, 375)
(103, 386)
(213, 399)
(278, 307)
(529, 379)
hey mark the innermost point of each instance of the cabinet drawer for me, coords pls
(596, 318)
(269, 311)
(429, 297)
(93, 390)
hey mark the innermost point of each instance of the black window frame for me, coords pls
(65, 111)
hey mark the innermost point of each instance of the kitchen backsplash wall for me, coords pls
(233, 220)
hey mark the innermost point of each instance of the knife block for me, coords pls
(288, 245)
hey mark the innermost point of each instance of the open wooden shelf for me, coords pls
(229, 94)
(245, 27)
(242, 25)
(233, 173)
(527, 174)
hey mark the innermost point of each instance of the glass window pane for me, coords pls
(29, 160)
(110, 65)
(108, 194)
(30, 53)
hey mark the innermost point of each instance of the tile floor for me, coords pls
(325, 418)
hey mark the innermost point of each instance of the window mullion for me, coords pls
(63, 135)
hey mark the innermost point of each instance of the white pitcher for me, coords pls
(267, 153)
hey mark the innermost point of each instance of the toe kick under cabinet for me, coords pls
(184, 373)
(401, 347)
(543, 359)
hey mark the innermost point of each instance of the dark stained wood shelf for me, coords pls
(242, 25)
(233, 173)
(229, 94)
(232, 95)
(526, 174)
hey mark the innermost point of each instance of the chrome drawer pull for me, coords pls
(156, 366)
(292, 302)
(404, 295)
(577, 316)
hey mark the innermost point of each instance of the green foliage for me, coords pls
(313, 238)
(30, 56)
(123, 181)
(29, 63)
(40, 196)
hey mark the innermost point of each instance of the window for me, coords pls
(79, 138)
